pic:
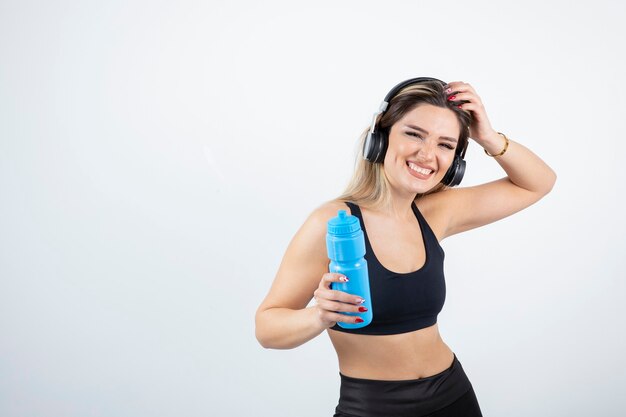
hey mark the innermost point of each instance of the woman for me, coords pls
(402, 193)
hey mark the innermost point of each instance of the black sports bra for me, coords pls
(403, 302)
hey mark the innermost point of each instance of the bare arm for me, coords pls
(282, 320)
(528, 180)
(285, 328)
(523, 167)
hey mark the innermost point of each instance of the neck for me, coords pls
(399, 206)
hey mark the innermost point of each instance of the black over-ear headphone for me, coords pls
(376, 143)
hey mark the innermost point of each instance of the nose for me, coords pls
(427, 150)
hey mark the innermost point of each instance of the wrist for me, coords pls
(315, 319)
(496, 144)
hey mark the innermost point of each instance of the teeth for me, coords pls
(420, 170)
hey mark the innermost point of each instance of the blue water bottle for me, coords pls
(345, 245)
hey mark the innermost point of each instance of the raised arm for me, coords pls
(528, 180)
(528, 177)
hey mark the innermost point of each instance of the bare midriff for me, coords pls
(412, 355)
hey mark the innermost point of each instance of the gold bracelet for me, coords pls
(506, 145)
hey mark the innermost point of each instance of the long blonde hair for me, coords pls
(369, 185)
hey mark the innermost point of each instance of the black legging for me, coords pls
(465, 406)
(446, 394)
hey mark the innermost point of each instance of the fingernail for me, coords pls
(362, 309)
(359, 320)
(361, 301)
(449, 90)
(451, 98)
(344, 279)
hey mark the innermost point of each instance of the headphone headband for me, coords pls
(395, 90)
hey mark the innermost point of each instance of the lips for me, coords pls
(419, 175)
(421, 165)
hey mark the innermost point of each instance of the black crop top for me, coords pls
(403, 302)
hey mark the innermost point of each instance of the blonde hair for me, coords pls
(369, 185)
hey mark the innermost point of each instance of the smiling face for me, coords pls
(418, 157)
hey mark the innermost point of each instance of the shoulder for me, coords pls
(313, 230)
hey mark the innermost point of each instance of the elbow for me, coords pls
(261, 333)
(269, 344)
(263, 344)
(266, 344)
(264, 334)
(259, 338)
(551, 182)
(547, 184)
(258, 334)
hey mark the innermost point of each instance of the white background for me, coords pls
(156, 158)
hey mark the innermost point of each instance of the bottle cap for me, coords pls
(343, 224)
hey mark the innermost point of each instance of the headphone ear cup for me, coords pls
(455, 173)
(458, 174)
(378, 147)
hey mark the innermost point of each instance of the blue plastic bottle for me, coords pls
(345, 245)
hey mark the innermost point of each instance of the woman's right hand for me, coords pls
(329, 302)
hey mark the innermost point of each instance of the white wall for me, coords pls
(156, 158)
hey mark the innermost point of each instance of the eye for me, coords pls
(418, 136)
(413, 134)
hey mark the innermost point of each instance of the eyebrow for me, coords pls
(448, 138)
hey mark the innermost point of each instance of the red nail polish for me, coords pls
(459, 106)
(451, 97)
(362, 309)
(359, 320)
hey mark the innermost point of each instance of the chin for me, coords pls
(428, 187)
